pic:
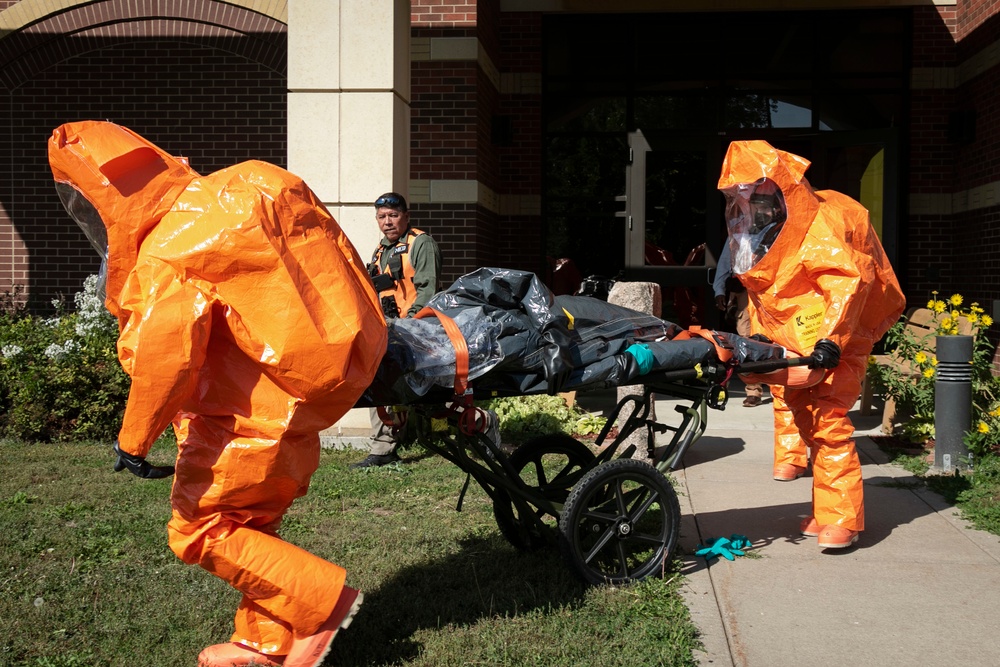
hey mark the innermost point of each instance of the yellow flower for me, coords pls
(945, 324)
(928, 372)
(930, 305)
(995, 412)
(920, 358)
(973, 318)
(987, 321)
(983, 427)
(871, 359)
(955, 314)
(933, 361)
(956, 299)
(938, 306)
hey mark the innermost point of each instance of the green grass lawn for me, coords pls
(88, 579)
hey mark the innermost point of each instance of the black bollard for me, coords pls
(952, 401)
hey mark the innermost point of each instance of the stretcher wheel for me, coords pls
(550, 464)
(620, 522)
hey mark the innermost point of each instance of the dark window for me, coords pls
(781, 76)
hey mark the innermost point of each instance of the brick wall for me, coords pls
(216, 99)
(977, 233)
(927, 240)
(443, 119)
(977, 249)
(441, 13)
(453, 109)
(971, 16)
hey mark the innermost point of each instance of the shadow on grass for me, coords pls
(485, 579)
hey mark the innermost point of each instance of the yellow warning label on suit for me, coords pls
(806, 325)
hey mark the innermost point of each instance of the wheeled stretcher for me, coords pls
(614, 518)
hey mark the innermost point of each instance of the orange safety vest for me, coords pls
(404, 292)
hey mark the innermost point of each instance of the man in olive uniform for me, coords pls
(406, 270)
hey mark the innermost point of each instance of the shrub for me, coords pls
(59, 376)
(525, 417)
(915, 397)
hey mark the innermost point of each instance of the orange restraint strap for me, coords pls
(722, 348)
(458, 342)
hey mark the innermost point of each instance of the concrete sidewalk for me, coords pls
(919, 588)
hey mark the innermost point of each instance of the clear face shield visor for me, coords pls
(89, 220)
(755, 214)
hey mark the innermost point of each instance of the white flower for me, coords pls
(92, 317)
(55, 351)
(10, 351)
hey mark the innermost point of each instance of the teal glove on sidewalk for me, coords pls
(727, 547)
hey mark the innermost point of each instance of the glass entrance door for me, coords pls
(674, 226)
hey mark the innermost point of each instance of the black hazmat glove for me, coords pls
(139, 466)
(826, 354)
(557, 361)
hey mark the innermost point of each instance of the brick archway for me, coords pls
(36, 45)
(202, 79)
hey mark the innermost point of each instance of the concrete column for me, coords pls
(349, 105)
(349, 114)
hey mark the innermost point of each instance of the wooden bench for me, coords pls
(922, 326)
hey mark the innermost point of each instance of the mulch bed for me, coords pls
(892, 444)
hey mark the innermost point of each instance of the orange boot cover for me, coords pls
(248, 321)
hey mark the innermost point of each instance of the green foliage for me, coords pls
(914, 396)
(526, 417)
(59, 376)
(590, 424)
(980, 502)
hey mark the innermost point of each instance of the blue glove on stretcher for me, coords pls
(727, 547)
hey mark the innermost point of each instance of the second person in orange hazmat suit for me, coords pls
(248, 322)
(819, 283)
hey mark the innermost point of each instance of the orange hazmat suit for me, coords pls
(247, 321)
(814, 268)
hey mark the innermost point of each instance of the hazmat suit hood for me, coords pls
(824, 273)
(105, 173)
(756, 178)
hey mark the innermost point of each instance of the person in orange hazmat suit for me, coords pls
(819, 283)
(247, 321)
